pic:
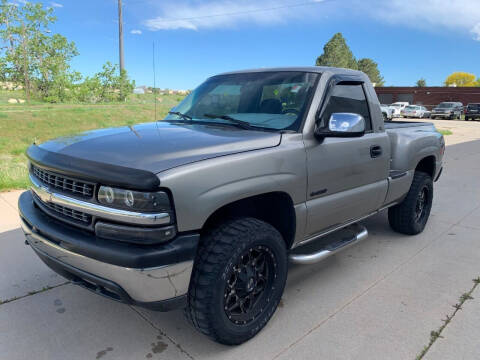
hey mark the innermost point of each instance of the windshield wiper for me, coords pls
(183, 116)
(240, 123)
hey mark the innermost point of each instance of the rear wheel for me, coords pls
(237, 281)
(411, 215)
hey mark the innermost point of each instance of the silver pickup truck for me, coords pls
(204, 209)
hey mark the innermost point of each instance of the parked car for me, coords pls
(472, 111)
(447, 110)
(415, 111)
(387, 112)
(204, 209)
(398, 107)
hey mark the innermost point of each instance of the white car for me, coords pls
(387, 112)
(398, 107)
(415, 111)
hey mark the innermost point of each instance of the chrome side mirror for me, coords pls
(343, 125)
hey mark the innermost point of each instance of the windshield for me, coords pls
(473, 106)
(445, 105)
(396, 105)
(411, 108)
(270, 100)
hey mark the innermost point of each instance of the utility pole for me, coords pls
(120, 36)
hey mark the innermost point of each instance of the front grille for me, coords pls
(74, 214)
(65, 184)
(64, 212)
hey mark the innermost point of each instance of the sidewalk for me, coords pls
(9, 211)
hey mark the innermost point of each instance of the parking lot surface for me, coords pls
(379, 299)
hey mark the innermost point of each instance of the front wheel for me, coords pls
(237, 281)
(411, 215)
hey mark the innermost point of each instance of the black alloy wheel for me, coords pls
(421, 205)
(249, 285)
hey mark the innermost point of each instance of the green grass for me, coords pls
(22, 124)
(445, 132)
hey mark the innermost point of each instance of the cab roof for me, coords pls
(311, 69)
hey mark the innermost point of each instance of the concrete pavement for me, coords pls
(377, 300)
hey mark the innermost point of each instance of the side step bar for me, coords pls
(328, 245)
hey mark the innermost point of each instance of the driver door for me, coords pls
(347, 177)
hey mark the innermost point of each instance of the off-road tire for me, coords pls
(403, 218)
(219, 254)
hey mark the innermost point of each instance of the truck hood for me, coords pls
(160, 146)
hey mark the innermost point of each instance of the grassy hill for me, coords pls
(22, 124)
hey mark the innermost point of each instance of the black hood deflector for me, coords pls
(93, 171)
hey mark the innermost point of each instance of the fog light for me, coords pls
(135, 235)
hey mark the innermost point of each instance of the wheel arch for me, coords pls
(275, 208)
(427, 165)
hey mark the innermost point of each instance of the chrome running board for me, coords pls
(328, 245)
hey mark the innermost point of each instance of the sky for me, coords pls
(194, 39)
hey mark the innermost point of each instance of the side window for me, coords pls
(348, 98)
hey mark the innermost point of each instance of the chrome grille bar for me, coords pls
(48, 196)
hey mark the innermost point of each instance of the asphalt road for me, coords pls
(379, 299)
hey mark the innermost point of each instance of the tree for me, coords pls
(370, 67)
(32, 55)
(421, 82)
(461, 79)
(52, 56)
(22, 29)
(114, 87)
(105, 86)
(336, 53)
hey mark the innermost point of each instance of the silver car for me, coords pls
(415, 111)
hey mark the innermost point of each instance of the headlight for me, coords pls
(134, 200)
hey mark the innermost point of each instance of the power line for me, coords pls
(314, 2)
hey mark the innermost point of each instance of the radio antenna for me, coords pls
(154, 81)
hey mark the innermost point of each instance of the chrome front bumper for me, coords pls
(142, 285)
(147, 286)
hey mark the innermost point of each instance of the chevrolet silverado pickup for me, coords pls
(204, 209)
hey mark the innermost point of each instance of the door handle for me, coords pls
(375, 151)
